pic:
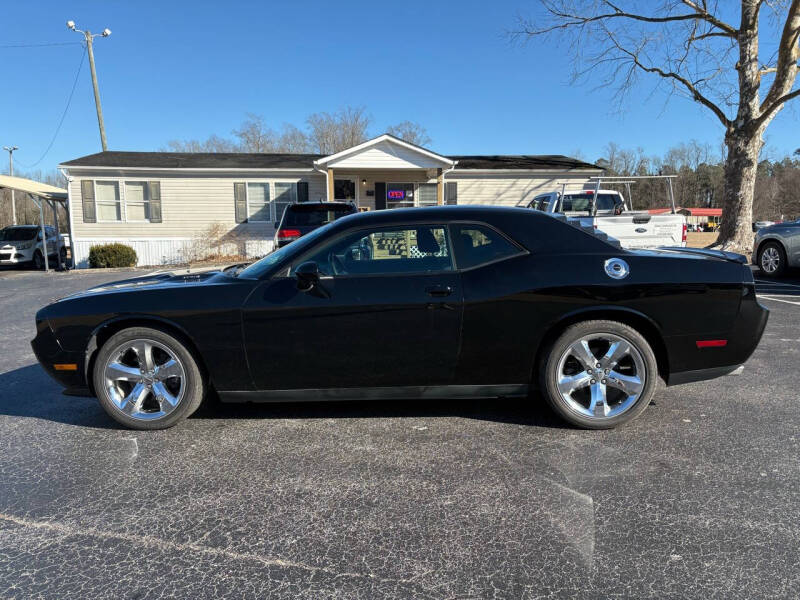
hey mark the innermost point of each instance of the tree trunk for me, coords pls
(736, 230)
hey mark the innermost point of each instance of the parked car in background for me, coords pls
(608, 211)
(22, 245)
(761, 224)
(777, 247)
(450, 302)
(304, 217)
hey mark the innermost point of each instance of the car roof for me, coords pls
(322, 204)
(26, 226)
(437, 213)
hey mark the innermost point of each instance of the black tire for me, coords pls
(195, 382)
(644, 360)
(38, 261)
(770, 249)
(62, 257)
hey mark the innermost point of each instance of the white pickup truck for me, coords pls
(607, 211)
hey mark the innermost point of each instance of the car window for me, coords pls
(476, 245)
(300, 215)
(385, 251)
(19, 234)
(541, 202)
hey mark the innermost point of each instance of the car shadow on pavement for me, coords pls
(29, 392)
(529, 411)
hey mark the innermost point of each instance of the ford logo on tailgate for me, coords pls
(641, 230)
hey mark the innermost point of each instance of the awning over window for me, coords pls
(37, 188)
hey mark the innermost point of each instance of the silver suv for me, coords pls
(777, 247)
(22, 245)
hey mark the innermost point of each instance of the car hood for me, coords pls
(155, 281)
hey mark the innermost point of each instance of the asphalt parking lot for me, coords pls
(485, 499)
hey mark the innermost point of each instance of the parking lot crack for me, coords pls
(170, 546)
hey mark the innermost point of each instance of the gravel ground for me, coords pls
(484, 499)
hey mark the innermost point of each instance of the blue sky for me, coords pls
(176, 70)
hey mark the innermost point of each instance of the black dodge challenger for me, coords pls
(441, 302)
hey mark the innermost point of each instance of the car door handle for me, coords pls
(439, 291)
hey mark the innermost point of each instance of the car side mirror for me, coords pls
(307, 275)
(618, 209)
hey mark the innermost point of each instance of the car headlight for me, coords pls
(26, 246)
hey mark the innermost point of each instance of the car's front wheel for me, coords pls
(772, 259)
(38, 261)
(599, 374)
(147, 379)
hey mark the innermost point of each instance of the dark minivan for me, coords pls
(300, 219)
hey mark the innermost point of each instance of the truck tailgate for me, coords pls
(643, 230)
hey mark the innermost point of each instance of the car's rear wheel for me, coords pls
(772, 259)
(599, 374)
(147, 379)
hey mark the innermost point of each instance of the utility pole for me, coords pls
(89, 37)
(10, 150)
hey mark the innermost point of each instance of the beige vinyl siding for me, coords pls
(386, 155)
(510, 189)
(189, 204)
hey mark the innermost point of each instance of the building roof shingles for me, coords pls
(237, 160)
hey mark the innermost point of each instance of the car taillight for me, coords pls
(683, 235)
(288, 234)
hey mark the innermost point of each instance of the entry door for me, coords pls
(345, 190)
(377, 319)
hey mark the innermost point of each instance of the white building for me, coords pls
(161, 202)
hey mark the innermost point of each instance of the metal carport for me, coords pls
(41, 192)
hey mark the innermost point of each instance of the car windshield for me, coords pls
(300, 214)
(18, 234)
(260, 267)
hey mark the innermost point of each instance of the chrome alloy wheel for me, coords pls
(770, 259)
(144, 379)
(601, 376)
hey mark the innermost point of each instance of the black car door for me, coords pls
(386, 312)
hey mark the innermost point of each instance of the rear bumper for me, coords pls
(690, 363)
(702, 374)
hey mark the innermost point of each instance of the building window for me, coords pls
(137, 201)
(107, 200)
(426, 194)
(285, 194)
(258, 202)
(399, 195)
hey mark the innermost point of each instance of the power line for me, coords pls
(38, 45)
(63, 115)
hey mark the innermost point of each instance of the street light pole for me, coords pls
(89, 37)
(10, 150)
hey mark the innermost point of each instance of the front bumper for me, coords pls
(57, 362)
(13, 256)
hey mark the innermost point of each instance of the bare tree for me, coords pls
(692, 48)
(213, 144)
(255, 136)
(333, 132)
(411, 132)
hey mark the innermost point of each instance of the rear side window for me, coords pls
(300, 214)
(477, 245)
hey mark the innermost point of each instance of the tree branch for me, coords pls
(786, 66)
(708, 17)
(690, 87)
(574, 20)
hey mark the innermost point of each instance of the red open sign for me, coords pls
(396, 194)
